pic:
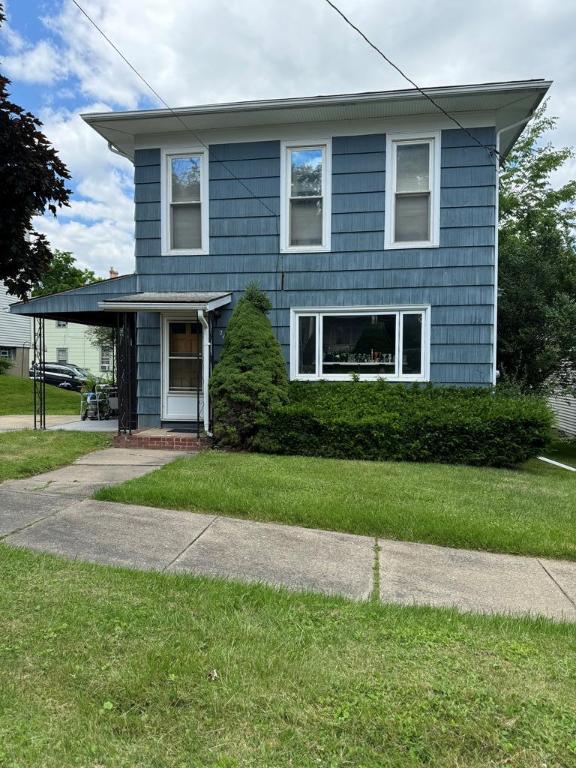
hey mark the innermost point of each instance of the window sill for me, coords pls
(361, 377)
(410, 245)
(306, 249)
(186, 252)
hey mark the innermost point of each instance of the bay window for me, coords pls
(305, 184)
(412, 192)
(185, 198)
(372, 343)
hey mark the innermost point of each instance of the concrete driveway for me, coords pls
(51, 513)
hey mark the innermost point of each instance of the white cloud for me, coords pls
(41, 63)
(193, 51)
(98, 227)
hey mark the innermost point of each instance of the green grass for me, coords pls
(531, 510)
(16, 397)
(27, 452)
(104, 667)
(563, 451)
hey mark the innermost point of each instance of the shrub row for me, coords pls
(383, 421)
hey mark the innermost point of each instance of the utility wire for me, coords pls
(492, 151)
(171, 110)
(211, 154)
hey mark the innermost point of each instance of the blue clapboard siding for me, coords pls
(457, 278)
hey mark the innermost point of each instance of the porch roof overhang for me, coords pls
(163, 302)
(77, 305)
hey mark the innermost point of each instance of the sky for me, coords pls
(207, 51)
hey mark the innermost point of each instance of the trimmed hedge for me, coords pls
(381, 421)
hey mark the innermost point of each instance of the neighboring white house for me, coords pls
(15, 336)
(71, 343)
(564, 407)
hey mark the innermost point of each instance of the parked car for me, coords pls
(63, 376)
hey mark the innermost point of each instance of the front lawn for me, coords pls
(27, 452)
(16, 397)
(531, 510)
(105, 667)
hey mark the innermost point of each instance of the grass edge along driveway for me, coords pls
(104, 666)
(29, 452)
(530, 511)
(17, 394)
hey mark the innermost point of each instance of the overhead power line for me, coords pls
(492, 151)
(172, 110)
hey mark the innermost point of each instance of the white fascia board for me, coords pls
(151, 306)
(179, 141)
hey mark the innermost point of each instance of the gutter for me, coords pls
(205, 369)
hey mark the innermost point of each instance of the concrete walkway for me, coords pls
(26, 421)
(73, 423)
(50, 513)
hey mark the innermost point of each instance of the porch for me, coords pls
(163, 352)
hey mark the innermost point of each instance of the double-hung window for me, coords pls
(370, 343)
(305, 223)
(412, 187)
(62, 355)
(185, 227)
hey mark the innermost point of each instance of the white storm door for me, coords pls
(182, 370)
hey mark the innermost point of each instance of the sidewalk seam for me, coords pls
(6, 536)
(191, 543)
(557, 583)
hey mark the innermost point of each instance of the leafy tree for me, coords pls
(62, 274)
(537, 255)
(32, 181)
(250, 378)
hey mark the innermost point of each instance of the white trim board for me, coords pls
(180, 140)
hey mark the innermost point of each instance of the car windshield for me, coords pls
(81, 371)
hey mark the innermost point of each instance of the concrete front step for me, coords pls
(162, 439)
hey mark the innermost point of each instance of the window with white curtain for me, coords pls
(185, 196)
(412, 182)
(306, 193)
(371, 343)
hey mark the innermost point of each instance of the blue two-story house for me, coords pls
(369, 219)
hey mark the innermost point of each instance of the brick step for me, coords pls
(167, 441)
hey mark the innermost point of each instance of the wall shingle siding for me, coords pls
(457, 278)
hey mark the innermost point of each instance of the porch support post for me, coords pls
(205, 369)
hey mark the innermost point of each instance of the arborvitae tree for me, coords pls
(250, 377)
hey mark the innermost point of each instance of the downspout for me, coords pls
(497, 215)
(205, 369)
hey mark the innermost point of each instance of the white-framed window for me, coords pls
(61, 324)
(370, 342)
(412, 211)
(8, 353)
(105, 359)
(62, 355)
(185, 202)
(305, 192)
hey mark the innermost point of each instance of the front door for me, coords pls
(182, 370)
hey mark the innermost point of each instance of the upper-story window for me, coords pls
(61, 324)
(412, 192)
(185, 210)
(305, 185)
